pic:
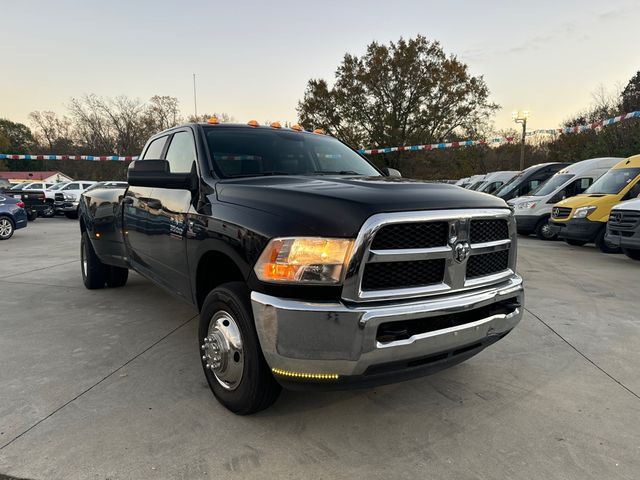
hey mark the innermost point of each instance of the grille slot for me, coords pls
(381, 276)
(411, 235)
(624, 219)
(561, 212)
(488, 231)
(487, 264)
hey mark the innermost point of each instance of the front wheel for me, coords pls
(232, 359)
(575, 243)
(6, 228)
(605, 246)
(48, 211)
(94, 272)
(543, 230)
(633, 253)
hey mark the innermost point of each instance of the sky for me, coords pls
(253, 59)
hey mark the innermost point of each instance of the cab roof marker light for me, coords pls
(297, 127)
(213, 121)
(312, 376)
(275, 125)
(253, 123)
(319, 131)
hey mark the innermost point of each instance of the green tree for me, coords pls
(17, 135)
(631, 95)
(406, 92)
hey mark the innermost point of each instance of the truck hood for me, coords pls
(338, 206)
(633, 204)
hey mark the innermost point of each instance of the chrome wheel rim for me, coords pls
(546, 231)
(5, 228)
(222, 352)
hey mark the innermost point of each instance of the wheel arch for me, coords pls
(214, 268)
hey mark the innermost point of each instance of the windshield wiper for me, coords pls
(340, 172)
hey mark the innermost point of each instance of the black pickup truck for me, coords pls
(311, 268)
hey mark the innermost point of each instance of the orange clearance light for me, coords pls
(319, 131)
(276, 125)
(297, 127)
(213, 121)
(252, 123)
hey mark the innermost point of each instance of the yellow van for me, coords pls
(583, 218)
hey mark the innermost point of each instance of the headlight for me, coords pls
(524, 205)
(304, 260)
(584, 212)
(69, 197)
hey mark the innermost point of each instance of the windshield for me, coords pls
(57, 186)
(19, 186)
(551, 185)
(476, 185)
(239, 152)
(510, 185)
(613, 181)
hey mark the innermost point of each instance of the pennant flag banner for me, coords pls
(373, 151)
(498, 140)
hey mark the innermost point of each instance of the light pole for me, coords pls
(521, 117)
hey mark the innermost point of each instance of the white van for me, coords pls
(474, 181)
(532, 212)
(494, 180)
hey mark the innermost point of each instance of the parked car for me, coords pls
(494, 181)
(66, 200)
(310, 267)
(107, 184)
(463, 182)
(582, 219)
(528, 180)
(34, 201)
(12, 216)
(533, 211)
(623, 227)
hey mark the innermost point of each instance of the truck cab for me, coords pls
(533, 211)
(582, 219)
(311, 267)
(528, 179)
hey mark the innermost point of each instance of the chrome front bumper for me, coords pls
(302, 340)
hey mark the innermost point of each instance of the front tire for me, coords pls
(231, 357)
(543, 230)
(633, 253)
(575, 243)
(49, 211)
(6, 228)
(603, 245)
(32, 215)
(94, 272)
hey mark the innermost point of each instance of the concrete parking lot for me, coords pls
(108, 385)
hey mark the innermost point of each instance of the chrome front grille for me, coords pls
(415, 254)
(560, 212)
(624, 219)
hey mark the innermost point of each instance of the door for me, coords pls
(168, 215)
(135, 212)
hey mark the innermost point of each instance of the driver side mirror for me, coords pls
(157, 173)
(391, 172)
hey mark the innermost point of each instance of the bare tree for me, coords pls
(50, 131)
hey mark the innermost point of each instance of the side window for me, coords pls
(72, 186)
(633, 192)
(582, 184)
(181, 153)
(154, 151)
(35, 186)
(86, 185)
